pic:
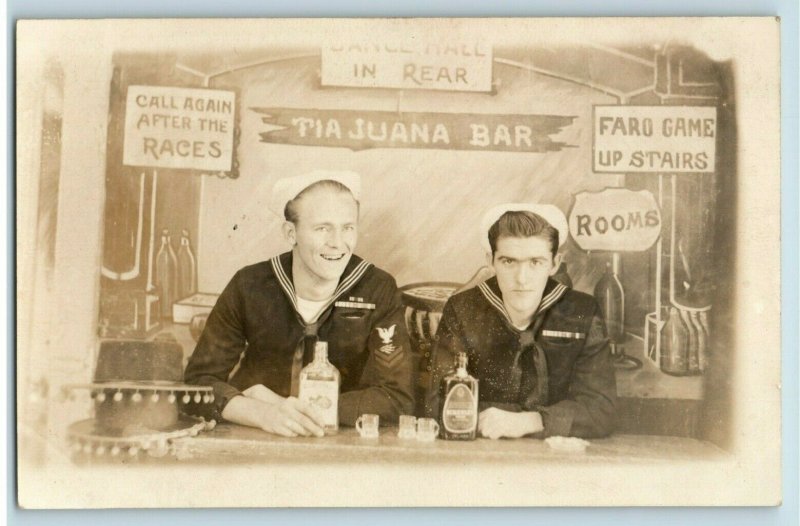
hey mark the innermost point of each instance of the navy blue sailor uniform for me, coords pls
(560, 365)
(255, 325)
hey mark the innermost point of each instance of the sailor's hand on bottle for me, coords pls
(495, 423)
(292, 417)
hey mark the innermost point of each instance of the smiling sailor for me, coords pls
(272, 313)
(538, 348)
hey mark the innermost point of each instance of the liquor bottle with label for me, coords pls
(166, 275)
(319, 386)
(187, 268)
(459, 396)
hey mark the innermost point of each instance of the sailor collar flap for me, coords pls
(553, 291)
(353, 272)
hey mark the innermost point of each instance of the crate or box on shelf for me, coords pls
(199, 303)
(128, 313)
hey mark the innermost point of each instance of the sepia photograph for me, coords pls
(398, 262)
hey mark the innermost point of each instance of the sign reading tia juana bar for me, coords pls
(361, 130)
(655, 139)
(408, 64)
(179, 128)
(616, 220)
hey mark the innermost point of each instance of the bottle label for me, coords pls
(324, 395)
(459, 412)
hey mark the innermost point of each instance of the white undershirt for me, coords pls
(522, 327)
(310, 310)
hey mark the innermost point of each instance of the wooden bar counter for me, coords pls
(229, 443)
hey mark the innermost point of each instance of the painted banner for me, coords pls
(616, 220)
(654, 139)
(360, 130)
(170, 127)
(408, 64)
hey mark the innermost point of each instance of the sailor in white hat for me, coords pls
(277, 310)
(320, 210)
(289, 188)
(550, 213)
(538, 348)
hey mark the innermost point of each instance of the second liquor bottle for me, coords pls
(459, 396)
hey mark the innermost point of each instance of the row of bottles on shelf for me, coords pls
(176, 274)
(681, 336)
(684, 342)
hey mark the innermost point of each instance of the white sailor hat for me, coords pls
(550, 213)
(288, 188)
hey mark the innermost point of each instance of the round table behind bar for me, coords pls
(424, 303)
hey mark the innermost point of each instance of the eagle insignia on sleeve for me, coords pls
(386, 335)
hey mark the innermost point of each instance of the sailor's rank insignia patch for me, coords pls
(386, 335)
(388, 354)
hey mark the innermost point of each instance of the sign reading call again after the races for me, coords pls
(654, 139)
(187, 128)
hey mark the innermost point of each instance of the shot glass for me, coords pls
(367, 426)
(427, 429)
(408, 427)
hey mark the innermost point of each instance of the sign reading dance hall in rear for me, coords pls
(408, 64)
(655, 139)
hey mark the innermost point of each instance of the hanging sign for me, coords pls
(616, 220)
(408, 64)
(360, 130)
(179, 128)
(654, 139)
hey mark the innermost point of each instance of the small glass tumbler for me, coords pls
(408, 427)
(367, 426)
(427, 429)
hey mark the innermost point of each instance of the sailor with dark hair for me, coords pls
(538, 348)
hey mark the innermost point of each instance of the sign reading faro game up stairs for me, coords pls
(654, 139)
